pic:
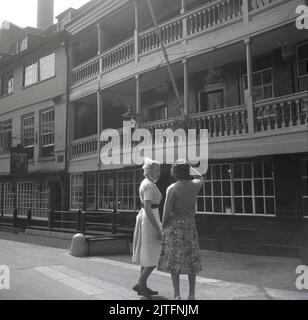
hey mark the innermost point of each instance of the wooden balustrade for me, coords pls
(170, 32)
(256, 5)
(84, 147)
(213, 14)
(279, 113)
(86, 71)
(120, 54)
(205, 18)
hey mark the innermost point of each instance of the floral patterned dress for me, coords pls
(180, 243)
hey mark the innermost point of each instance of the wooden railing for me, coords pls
(203, 19)
(278, 113)
(86, 71)
(123, 52)
(257, 5)
(171, 32)
(84, 147)
(213, 14)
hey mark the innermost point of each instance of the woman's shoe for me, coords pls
(152, 293)
(142, 291)
(177, 298)
(191, 298)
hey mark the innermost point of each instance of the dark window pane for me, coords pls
(268, 92)
(268, 169)
(269, 187)
(207, 188)
(247, 170)
(226, 172)
(247, 188)
(208, 174)
(227, 205)
(248, 205)
(258, 187)
(217, 188)
(237, 170)
(302, 52)
(270, 206)
(208, 205)
(238, 188)
(259, 206)
(258, 169)
(200, 204)
(267, 77)
(238, 205)
(217, 205)
(216, 173)
(226, 188)
(257, 79)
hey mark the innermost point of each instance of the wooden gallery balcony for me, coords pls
(229, 128)
(193, 24)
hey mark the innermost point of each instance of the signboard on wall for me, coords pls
(19, 161)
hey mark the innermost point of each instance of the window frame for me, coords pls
(7, 84)
(5, 147)
(23, 118)
(49, 110)
(297, 60)
(233, 196)
(78, 193)
(304, 176)
(208, 91)
(37, 62)
(245, 80)
(158, 106)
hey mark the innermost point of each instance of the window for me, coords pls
(31, 74)
(8, 198)
(91, 191)
(47, 67)
(302, 60)
(158, 112)
(47, 135)
(7, 84)
(76, 191)
(28, 134)
(239, 188)
(39, 70)
(128, 189)
(262, 84)
(5, 136)
(106, 195)
(34, 196)
(302, 66)
(305, 186)
(211, 100)
(23, 44)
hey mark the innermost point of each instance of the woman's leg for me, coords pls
(145, 273)
(176, 284)
(192, 285)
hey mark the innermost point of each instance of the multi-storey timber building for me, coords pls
(242, 70)
(33, 114)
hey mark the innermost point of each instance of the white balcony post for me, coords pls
(186, 86)
(245, 10)
(136, 33)
(99, 123)
(101, 45)
(183, 11)
(249, 93)
(138, 99)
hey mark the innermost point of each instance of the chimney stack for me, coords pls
(45, 12)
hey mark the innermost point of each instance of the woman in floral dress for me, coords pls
(180, 244)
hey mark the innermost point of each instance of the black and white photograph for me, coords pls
(153, 151)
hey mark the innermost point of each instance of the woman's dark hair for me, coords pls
(180, 171)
